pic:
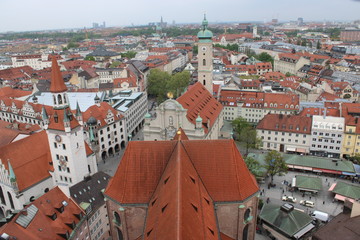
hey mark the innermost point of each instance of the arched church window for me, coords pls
(204, 62)
(59, 99)
(54, 100)
(204, 82)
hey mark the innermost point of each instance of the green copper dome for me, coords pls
(204, 33)
(198, 119)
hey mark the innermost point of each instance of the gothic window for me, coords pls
(54, 100)
(247, 214)
(11, 200)
(245, 232)
(204, 82)
(117, 218)
(2, 196)
(204, 62)
(59, 99)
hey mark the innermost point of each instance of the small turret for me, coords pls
(12, 177)
(97, 100)
(45, 117)
(78, 114)
(66, 122)
(147, 118)
(35, 99)
(198, 124)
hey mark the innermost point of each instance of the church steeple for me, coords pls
(58, 87)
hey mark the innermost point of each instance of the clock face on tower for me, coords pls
(57, 138)
(203, 49)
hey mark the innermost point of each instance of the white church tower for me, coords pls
(65, 136)
(205, 56)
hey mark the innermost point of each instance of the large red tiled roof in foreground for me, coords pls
(57, 82)
(42, 226)
(197, 100)
(13, 93)
(218, 163)
(180, 207)
(35, 166)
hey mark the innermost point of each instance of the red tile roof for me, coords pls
(7, 136)
(100, 113)
(180, 202)
(42, 226)
(217, 162)
(197, 100)
(320, 111)
(35, 166)
(57, 82)
(286, 123)
(13, 93)
(59, 123)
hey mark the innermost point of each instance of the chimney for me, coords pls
(24, 212)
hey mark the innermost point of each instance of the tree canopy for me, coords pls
(275, 164)
(245, 133)
(129, 54)
(160, 83)
(253, 165)
(265, 57)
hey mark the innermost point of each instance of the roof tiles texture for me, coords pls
(57, 82)
(36, 166)
(198, 101)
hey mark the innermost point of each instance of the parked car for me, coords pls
(307, 203)
(288, 199)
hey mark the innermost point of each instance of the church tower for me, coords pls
(65, 136)
(205, 56)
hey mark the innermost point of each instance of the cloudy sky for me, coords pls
(27, 15)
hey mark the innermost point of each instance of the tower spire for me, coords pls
(57, 82)
(11, 173)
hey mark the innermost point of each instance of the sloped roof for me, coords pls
(41, 225)
(347, 190)
(7, 136)
(198, 100)
(57, 82)
(59, 123)
(289, 223)
(218, 163)
(100, 113)
(13, 93)
(308, 182)
(35, 166)
(286, 123)
(180, 207)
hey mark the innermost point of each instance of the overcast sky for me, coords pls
(27, 15)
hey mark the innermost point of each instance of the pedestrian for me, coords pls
(263, 190)
(328, 184)
(326, 180)
(310, 197)
(323, 202)
(283, 190)
(267, 200)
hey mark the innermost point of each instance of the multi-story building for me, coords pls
(133, 106)
(327, 135)
(105, 129)
(109, 74)
(52, 216)
(36, 61)
(289, 63)
(253, 106)
(285, 133)
(219, 205)
(351, 143)
(350, 35)
(88, 194)
(58, 155)
(197, 112)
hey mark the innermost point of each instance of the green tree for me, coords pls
(157, 82)
(129, 54)
(265, 57)
(303, 43)
(287, 74)
(195, 50)
(275, 164)
(253, 165)
(249, 136)
(178, 83)
(356, 158)
(239, 124)
(72, 45)
(114, 64)
(89, 58)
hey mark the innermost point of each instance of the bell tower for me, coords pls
(205, 56)
(65, 136)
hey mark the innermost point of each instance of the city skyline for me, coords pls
(41, 15)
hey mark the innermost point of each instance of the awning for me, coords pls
(342, 198)
(349, 173)
(316, 170)
(332, 187)
(301, 150)
(293, 184)
(303, 231)
(291, 149)
(303, 168)
(330, 171)
(308, 190)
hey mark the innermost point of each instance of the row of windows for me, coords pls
(283, 134)
(65, 179)
(282, 139)
(326, 140)
(327, 134)
(325, 147)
